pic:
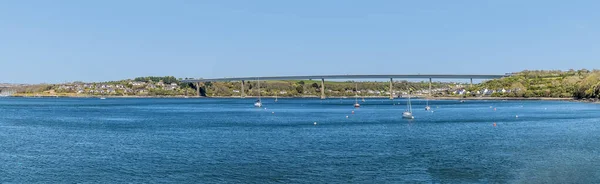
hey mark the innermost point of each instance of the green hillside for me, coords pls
(544, 83)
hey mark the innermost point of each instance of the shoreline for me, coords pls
(504, 98)
(336, 97)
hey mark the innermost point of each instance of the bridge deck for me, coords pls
(306, 77)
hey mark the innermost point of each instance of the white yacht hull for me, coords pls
(407, 115)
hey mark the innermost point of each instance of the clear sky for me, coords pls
(59, 41)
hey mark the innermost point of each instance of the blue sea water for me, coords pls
(68, 140)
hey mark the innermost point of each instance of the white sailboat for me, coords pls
(408, 113)
(356, 104)
(258, 102)
(275, 97)
(427, 108)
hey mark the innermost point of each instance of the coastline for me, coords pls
(504, 98)
(313, 96)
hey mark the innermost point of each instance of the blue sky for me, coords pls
(59, 41)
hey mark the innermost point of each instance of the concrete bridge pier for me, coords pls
(430, 87)
(197, 89)
(243, 95)
(391, 89)
(471, 83)
(322, 88)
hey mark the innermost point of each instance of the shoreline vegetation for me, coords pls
(572, 85)
(344, 97)
(337, 97)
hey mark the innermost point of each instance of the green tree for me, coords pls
(300, 89)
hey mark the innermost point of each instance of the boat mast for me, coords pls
(408, 104)
(258, 89)
(356, 94)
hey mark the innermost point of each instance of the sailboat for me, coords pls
(275, 97)
(427, 108)
(408, 113)
(258, 102)
(356, 104)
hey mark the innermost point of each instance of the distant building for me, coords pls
(136, 83)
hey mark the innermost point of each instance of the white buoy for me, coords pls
(265, 108)
(346, 116)
(516, 116)
(315, 123)
(272, 112)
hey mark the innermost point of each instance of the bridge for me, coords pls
(198, 82)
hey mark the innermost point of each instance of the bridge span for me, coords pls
(198, 82)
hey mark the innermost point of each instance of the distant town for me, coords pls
(145, 86)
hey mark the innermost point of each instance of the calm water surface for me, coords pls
(228, 141)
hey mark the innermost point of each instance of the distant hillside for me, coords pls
(579, 84)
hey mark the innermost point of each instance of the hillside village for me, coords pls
(272, 88)
(130, 88)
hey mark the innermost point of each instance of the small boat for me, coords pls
(427, 107)
(356, 104)
(408, 113)
(102, 98)
(258, 102)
